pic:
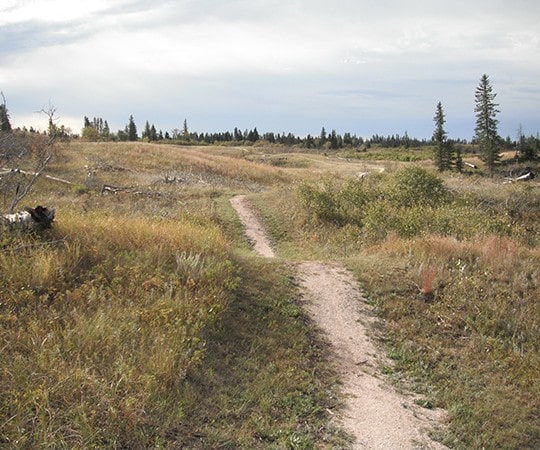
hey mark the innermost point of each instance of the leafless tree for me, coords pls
(23, 158)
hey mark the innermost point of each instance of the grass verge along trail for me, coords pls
(376, 416)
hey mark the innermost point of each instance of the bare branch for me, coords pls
(22, 146)
(20, 194)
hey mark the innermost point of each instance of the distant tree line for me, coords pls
(447, 153)
(98, 129)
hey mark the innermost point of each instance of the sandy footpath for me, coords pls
(374, 413)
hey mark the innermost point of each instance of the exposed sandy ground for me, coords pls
(253, 228)
(374, 413)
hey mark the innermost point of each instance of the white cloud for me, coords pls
(17, 11)
(299, 59)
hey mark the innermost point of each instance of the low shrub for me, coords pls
(414, 185)
(414, 202)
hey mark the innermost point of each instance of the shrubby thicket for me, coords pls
(414, 202)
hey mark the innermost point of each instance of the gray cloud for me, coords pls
(287, 64)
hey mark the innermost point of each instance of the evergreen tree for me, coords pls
(439, 138)
(5, 124)
(253, 135)
(106, 130)
(146, 132)
(185, 131)
(527, 147)
(309, 141)
(237, 134)
(459, 159)
(132, 130)
(406, 141)
(322, 138)
(486, 133)
(153, 133)
(334, 143)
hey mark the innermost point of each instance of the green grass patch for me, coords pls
(414, 202)
(392, 154)
(265, 381)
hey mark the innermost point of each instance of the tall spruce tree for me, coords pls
(131, 130)
(334, 142)
(486, 133)
(5, 124)
(439, 138)
(153, 133)
(185, 130)
(459, 159)
(146, 132)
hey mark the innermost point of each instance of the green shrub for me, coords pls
(321, 201)
(414, 201)
(414, 185)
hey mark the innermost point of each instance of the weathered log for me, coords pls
(470, 165)
(24, 172)
(526, 177)
(37, 218)
(112, 189)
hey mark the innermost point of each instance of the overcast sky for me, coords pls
(356, 66)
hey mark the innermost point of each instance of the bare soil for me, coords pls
(253, 228)
(374, 413)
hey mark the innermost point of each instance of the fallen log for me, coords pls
(34, 174)
(112, 189)
(37, 218)
(468, 164)
(526, 177)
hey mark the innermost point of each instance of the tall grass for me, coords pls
(101, 321)
(454, 270)
(144, 165)
(475, 338)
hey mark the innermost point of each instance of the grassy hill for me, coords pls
(140, 320)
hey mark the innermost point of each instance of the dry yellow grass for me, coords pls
(104, 319)
(456, 284)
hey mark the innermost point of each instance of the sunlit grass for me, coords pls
(132, 324)
(102, 319)
(456, 283)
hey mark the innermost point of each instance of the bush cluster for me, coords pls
(414, 202)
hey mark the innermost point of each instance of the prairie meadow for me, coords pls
(142, 320)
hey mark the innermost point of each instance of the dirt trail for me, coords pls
(374, 413)
(253, 228)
